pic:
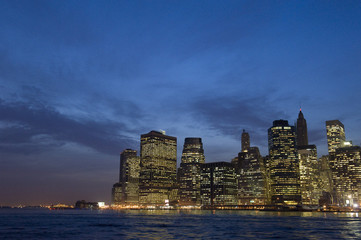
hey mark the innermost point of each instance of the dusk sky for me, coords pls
(80, 81)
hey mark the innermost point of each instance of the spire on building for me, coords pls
(245, 141)
(301, 130)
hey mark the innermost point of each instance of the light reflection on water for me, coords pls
(175, 224)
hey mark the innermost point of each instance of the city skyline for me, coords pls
(80, 81)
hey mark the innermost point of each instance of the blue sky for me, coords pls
(81, 80)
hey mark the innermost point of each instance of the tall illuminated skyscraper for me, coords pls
(308, 164)
(129, 175)
(158, 168)
(335, 131)
(310, 181)
(345, 164)
(189, 173)
(127, 189)
(335, 135)
(346, 172)
(284, 164)
(251, 174)
(301, 130)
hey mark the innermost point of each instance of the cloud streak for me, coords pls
(34, 123)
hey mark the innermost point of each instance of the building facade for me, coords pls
(126, 191)
(251, 174)
(189, 172)
(251, 181)
(129, 176)
(117, 194)
(310, 182)
(284, 164)
(218, 184)
(158, 168)
(346, 173)
(335, 135)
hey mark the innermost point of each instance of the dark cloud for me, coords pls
(36, 122)
(231, 114)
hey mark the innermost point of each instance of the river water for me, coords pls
(173, 224)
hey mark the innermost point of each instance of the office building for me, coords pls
(129, 176)
(251, 175)
(346, 173)
(218, 184)
(335, 135)
(284, 164)
(189, 173)
(125, 191)
(158, 168)
(117, 194)
(310, 181)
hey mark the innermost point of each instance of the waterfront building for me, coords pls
(308, 164)
(117, 194)
(284, 164)
(325, 174)
(309, 175)
(218, 184)
(344, 162)
(129, 176)
(126, 191)
(301, 130)
(250, 173)
(267, 174)
(189, 172)
(335, 135)
(158, 168)
(346, 174)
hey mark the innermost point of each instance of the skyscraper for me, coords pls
(218, 184)
(129, 176)
(158, 168)
(251, 174)
(301, 130)
(335, 135)
(189, 173)
(346, 173)
(308, 164)
(251, 184)
(284, 164)
(245, 141)
(310, 181)
(127, 189)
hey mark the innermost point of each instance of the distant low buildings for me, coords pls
(82, 204)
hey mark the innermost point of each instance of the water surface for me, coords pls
(173, 224)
